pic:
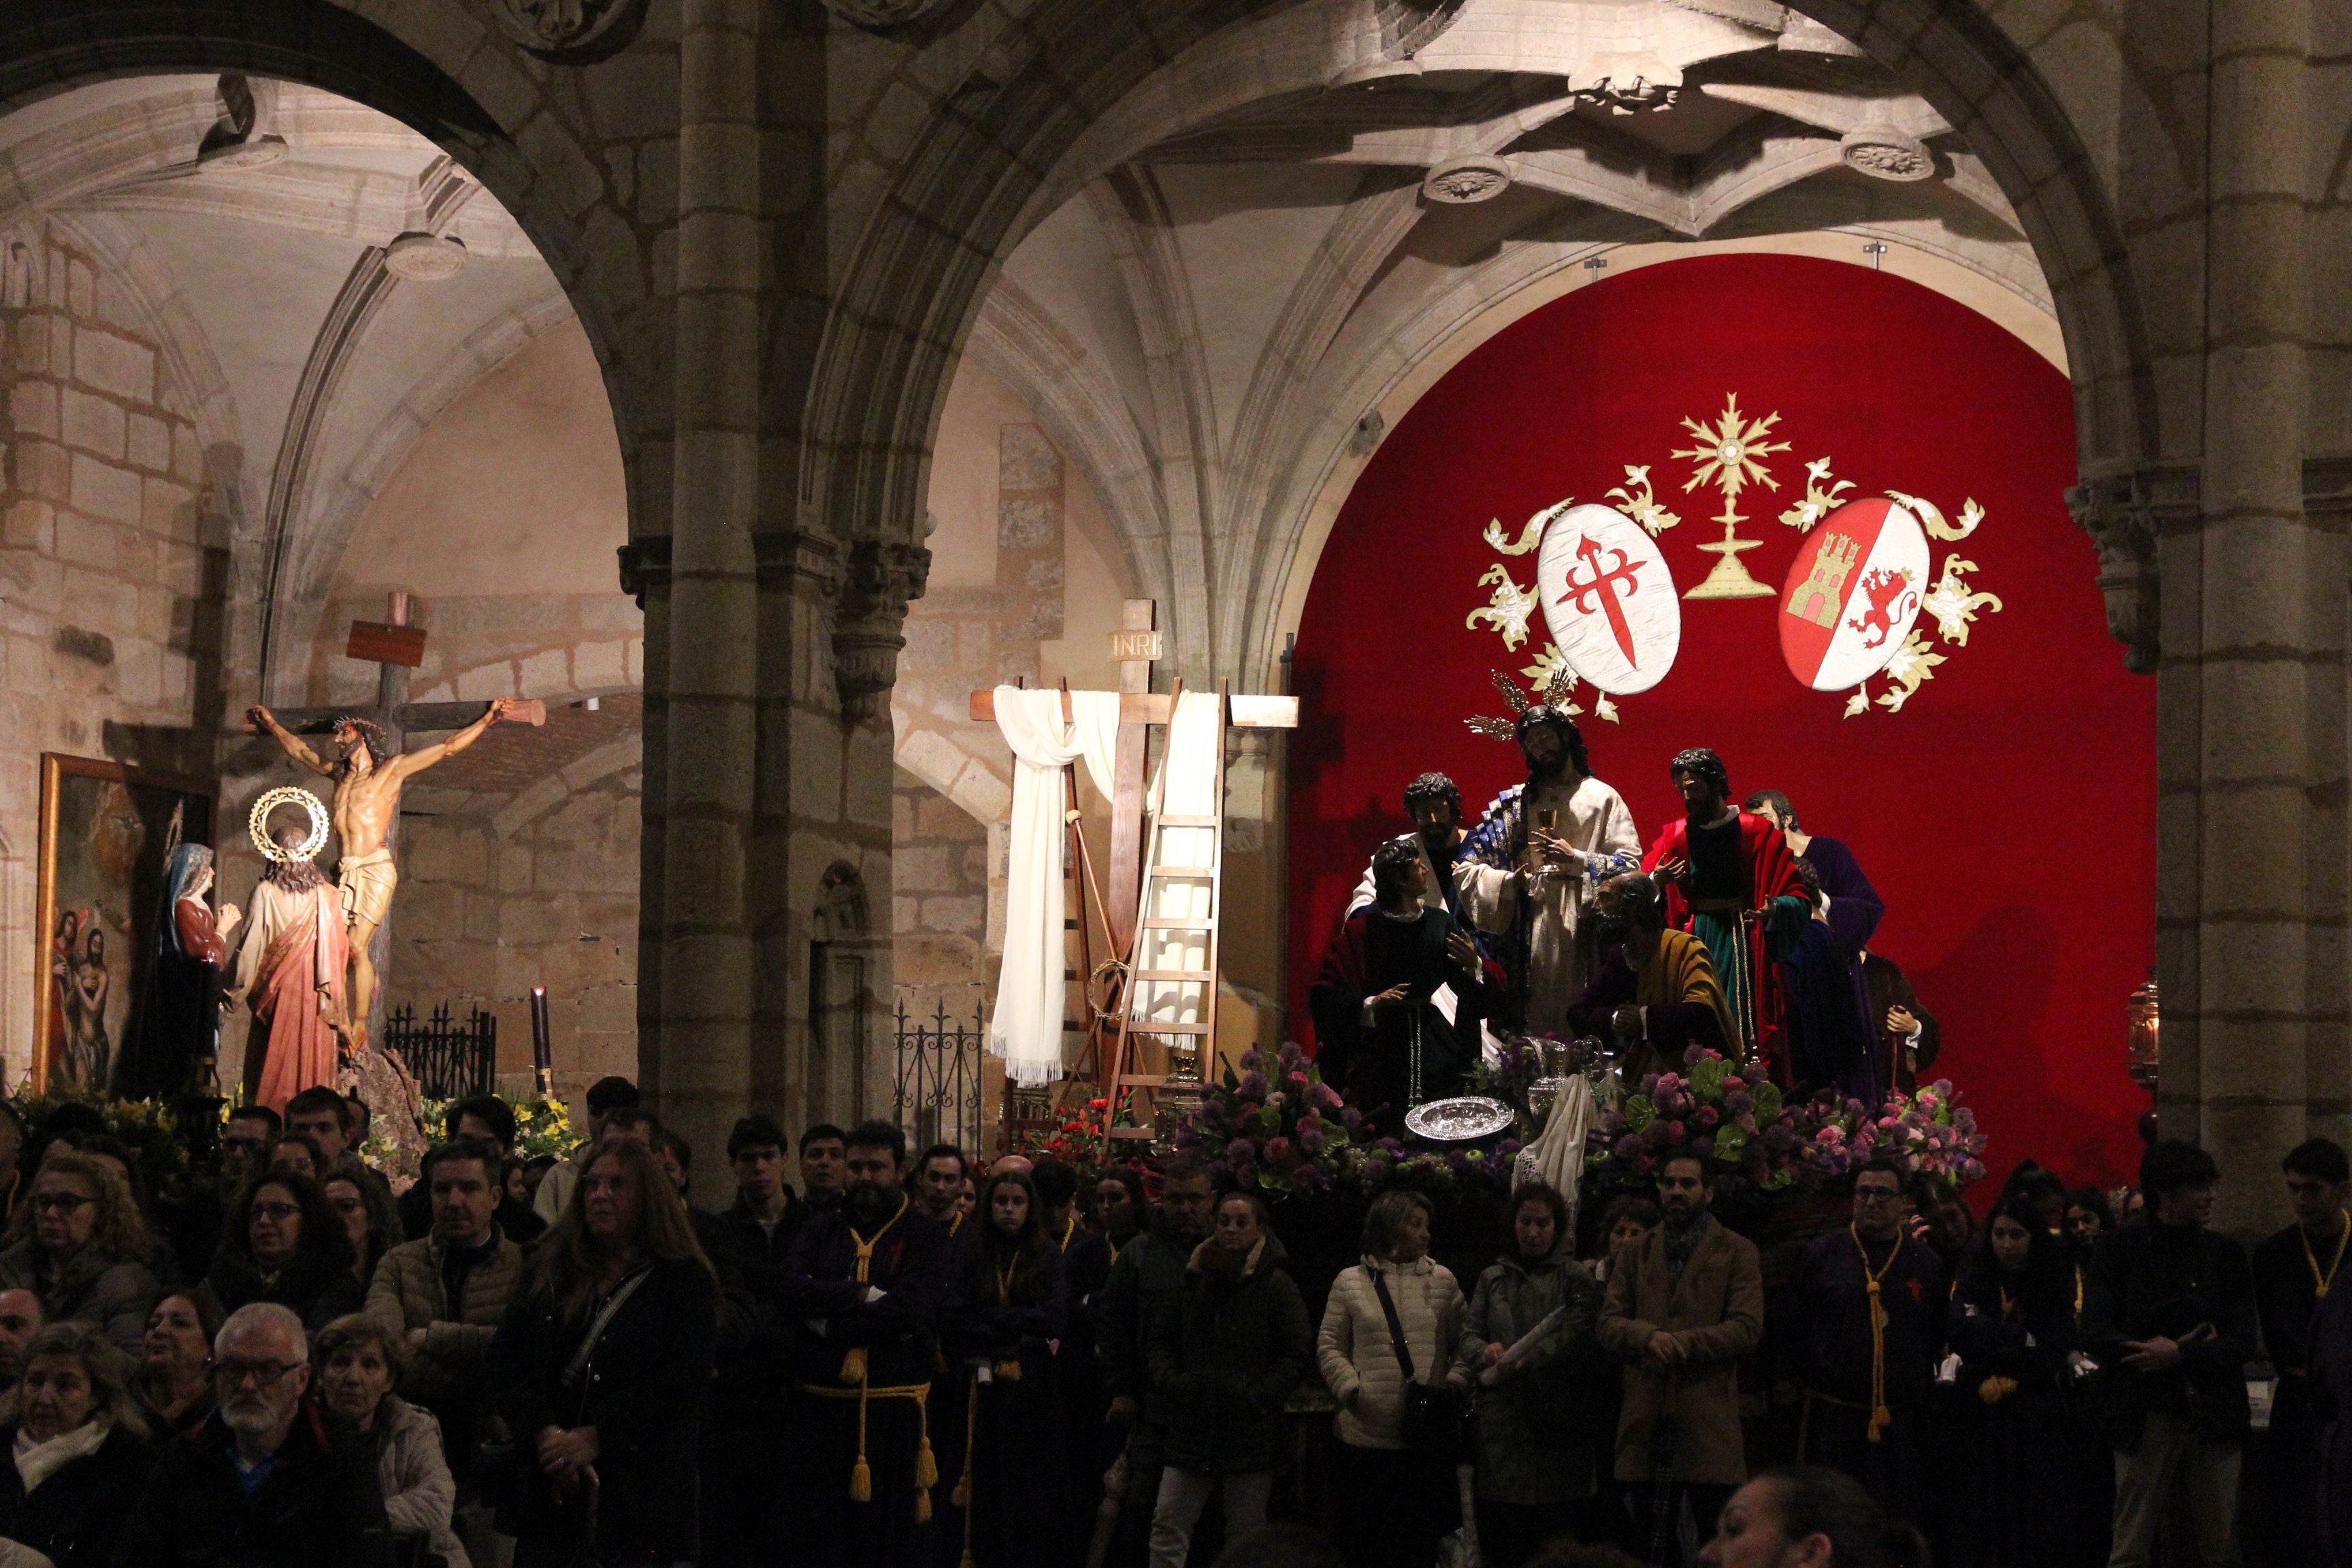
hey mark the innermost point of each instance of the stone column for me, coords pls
(2250, 892)
(699, 1059)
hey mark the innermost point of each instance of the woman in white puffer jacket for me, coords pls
(1404, 1499)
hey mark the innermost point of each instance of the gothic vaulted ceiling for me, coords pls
(1244, 255)
(324, 279)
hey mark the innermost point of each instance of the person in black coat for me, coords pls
(2011, 1323)
(1003, 1465)
(2169, 1313)
(318, 1499)
(80, 1448)
(285, 1243)
(601, 1369)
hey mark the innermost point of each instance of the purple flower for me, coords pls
(1350, 1118)
(1629, 1147)
(1253, 1061)
(1703, 1147)
(1252, 1081)
(1323, 1097)
(1278, 1152)
(1707, 1116)
(1291, 1054)
(1310, 1138)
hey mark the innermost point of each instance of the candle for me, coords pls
(542, 1052)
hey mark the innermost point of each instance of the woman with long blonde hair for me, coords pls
(601, 1369)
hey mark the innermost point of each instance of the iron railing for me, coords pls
(936, 1097)
(449, 1059)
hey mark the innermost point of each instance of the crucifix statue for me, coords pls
(371, 773)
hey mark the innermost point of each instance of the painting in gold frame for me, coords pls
(107, 829)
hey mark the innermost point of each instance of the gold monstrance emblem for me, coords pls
(1726, 454)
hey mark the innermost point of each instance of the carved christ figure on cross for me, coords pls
(368, 783)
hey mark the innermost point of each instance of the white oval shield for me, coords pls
(1852, 593)
(1609, 599)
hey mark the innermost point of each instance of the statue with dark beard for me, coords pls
(1532, 867)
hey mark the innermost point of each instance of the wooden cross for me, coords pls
(396, 647)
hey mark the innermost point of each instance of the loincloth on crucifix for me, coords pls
(367, 882)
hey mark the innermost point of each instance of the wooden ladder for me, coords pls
(1166, 1042)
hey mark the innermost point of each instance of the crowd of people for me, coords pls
(872, 1359)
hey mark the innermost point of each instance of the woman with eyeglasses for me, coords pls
(601, 1369)
(285, 1243)
(79, 1245)
(359, 1367)
(79, 1450)
(175, 1373)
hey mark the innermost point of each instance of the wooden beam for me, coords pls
(1246, 712)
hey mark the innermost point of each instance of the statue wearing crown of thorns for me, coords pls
(1532, 866)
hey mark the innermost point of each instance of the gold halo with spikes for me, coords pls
(256, 823)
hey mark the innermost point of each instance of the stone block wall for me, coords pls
(483, 917)
(111, 566)
(940, 903)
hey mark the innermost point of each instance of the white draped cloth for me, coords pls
(1026, 1028)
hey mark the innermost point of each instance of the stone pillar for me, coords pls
(2252, 747)
(699, 1057)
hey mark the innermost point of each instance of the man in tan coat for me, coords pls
(1684, 1307)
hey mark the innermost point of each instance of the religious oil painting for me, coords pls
(107, 831)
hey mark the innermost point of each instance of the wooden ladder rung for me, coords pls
(1184, 822)
(1138, 1027)
(1159, 923)
(1201, 975)
(1179, 871)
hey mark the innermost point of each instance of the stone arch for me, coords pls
(435, 66)
(1019, 130)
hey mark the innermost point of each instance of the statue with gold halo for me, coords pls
(290, 959)
(368, 782)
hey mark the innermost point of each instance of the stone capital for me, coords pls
(2124, 512)
(580, 31)
(879, 579)
(644, 564)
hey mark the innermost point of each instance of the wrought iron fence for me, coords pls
(448, 1058)
(936, 1097)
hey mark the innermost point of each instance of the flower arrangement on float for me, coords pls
(1277, 1128)
(541, 1127)
(1733, 1117)
(151, 1128)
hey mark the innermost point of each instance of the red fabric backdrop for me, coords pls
(2007, 814)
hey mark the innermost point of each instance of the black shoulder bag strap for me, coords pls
(1396, 1324)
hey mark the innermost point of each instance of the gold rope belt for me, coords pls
(861, 1474)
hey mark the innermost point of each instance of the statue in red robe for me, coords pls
(1732, 883)
(289, 968)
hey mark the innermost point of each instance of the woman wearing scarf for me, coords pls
(79, 1449)
(174, 1044)
(359, 1366)
(1003, 1465)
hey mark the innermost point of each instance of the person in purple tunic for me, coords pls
(1850, 909)
(863, 1281)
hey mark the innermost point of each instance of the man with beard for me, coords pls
(1732, 883)
(1398, 1002)
(863, 1280)
(1434, 804)
(1147, 1278)
(1656, 994)
(262, 1483)
(1683, 1306)
(1534, 863)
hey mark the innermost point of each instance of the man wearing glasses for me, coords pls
(262, 1481)
(1867, 1324)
